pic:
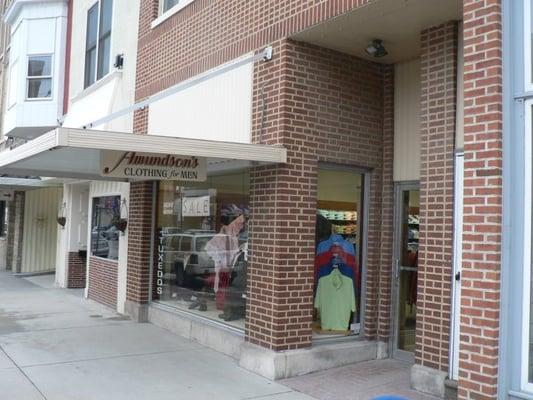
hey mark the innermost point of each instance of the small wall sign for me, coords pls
(148, 166)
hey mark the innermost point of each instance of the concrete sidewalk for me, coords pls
(56, 345)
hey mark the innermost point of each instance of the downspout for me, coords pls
(66, 85)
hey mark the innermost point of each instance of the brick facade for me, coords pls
(482, 241)
(103, 275)
(195, 45)
(438, 106)
(340, 122)
(77, 270)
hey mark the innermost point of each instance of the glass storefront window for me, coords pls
(202, 246)
(104, 232)
(408, 269)
(338, 260)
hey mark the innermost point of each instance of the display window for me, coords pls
(104, 231)
(202, 247)
(338, 257)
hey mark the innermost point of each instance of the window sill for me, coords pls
(115, 73)
(169, 13)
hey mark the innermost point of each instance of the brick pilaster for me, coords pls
(14, 234)
(339, 122)
(481, 269)
(387, 206)
(437, 142)
(139, 242)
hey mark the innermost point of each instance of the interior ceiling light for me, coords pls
(376, 49)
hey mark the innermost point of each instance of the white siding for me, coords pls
(37, 28)
(114, 91)
(407, 121)
(39, 241)
(217, 109)
(73, 236)
(100, 189)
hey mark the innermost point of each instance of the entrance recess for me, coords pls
(405, 271)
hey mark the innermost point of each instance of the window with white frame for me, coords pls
(98, 41)
(39, 77)
(527, 317)
(168, 4)
(169, 7)
(528, 45)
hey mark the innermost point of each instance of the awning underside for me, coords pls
(76, 153)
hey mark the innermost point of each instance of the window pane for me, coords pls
(104, 48)
(202, 243)
(90, 67)
(40, 66)
(338, 253)
(92, 26)
(106, 14)
(90, 45)
(39, 88)
(104, 231)
(168, 4)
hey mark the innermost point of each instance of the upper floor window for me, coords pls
(39, 77)
(168, 4)
(98, 41)
(168, 8)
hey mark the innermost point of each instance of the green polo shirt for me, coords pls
(335, 300)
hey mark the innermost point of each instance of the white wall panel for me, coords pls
(407, 92)
(459, 132)
(101, 189)
(116, 91)
(40, 230)
(41, 36)
(217, 109)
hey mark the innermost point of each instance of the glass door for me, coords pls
(406, 269)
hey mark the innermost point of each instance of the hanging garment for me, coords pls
(224, 246)
(336, 240)
(220, 296)
(335, 301)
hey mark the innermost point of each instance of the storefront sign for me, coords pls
(132, 165)
(195, 206)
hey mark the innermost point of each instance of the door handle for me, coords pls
(458, 276)
(396, 269)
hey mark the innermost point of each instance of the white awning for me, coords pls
(76, 153)
(8, 183)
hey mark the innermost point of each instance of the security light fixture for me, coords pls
(376, 49)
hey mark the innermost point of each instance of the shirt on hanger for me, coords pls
(335, 300)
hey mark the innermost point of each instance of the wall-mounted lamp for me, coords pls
(376, 49)
(119, 61)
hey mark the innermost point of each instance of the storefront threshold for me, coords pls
(286, 364)
(209, 333)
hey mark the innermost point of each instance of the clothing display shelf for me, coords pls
(339, 216)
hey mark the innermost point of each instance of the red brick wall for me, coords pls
(77, 270)
(208, 33)
(103, 275)
(139, 242)
(387, 207)
(480, 303)
(323, 106)
(438, 104)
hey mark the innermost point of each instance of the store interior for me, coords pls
(338, 261)
(202, 243)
